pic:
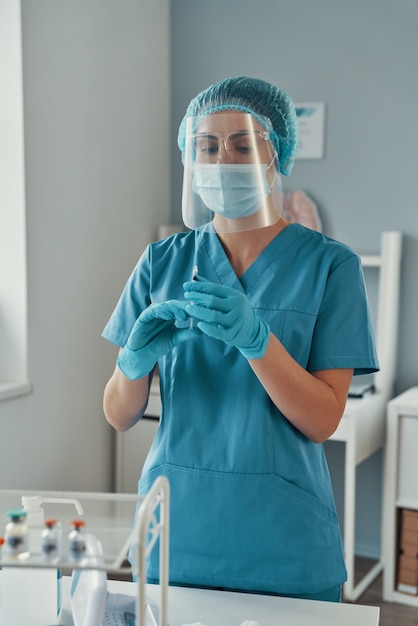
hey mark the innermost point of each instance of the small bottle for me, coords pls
(47, 578)
(27, 590)
(31, 585)
(16, 538)
(77, 540)
(50, 539)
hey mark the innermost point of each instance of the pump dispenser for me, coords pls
(34, 511)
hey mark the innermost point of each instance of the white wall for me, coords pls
(96, 110)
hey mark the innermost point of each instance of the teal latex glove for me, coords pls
(226, 314)
(154, 334)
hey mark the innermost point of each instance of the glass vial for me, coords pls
(16, 538)
(77, 540)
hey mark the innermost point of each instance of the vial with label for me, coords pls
(27, 590)
(16, 538)
(51, 539)
(77, 540)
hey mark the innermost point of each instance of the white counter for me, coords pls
(221, 608)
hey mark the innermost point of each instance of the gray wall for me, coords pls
(360, 57)
(95, 149)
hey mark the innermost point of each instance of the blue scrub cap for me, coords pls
(260, 99)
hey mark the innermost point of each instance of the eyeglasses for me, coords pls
(242, 147)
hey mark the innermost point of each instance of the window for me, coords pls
(13, 297)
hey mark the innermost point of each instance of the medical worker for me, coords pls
(255, 357)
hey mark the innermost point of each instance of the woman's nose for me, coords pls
(223, 155)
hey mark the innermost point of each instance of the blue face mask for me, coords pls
(232, 190)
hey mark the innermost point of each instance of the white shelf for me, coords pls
(399, 478)
(407, 504)
(362, 427)
(110, 518)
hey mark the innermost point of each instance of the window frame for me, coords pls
(13, 261)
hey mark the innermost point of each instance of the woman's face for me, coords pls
(230, 178)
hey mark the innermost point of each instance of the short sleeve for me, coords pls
(133, 300)
(343, 336)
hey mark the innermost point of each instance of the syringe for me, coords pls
(194, 277)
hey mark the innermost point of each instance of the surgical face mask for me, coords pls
(232, 190)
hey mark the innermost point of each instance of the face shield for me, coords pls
(230, 180)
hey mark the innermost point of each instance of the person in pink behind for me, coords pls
(299, 208)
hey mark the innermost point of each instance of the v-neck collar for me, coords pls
(223, 268)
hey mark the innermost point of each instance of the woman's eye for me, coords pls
(210, 149)
(241, 143)
(243, 149)
(207, 147)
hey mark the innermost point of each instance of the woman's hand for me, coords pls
(226, 314)
(154, 334)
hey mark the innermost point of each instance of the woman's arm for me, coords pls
(124, 400)
(313, 403)
(153, 335)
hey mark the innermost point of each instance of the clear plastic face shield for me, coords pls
(230, 180)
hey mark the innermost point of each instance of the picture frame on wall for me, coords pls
(311, 119)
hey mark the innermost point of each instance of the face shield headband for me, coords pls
(230, 181)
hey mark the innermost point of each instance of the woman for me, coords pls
(255, 357)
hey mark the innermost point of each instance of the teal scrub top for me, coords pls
(251, 504)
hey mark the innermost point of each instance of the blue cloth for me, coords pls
(251, 505)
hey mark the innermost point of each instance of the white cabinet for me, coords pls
(400, 505)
